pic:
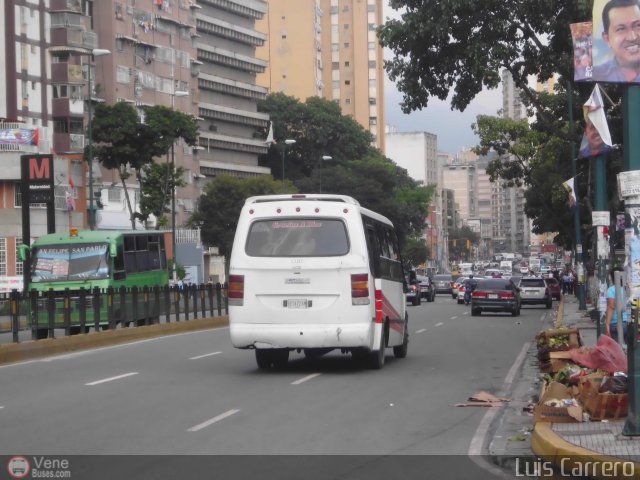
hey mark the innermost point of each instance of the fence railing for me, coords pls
(70, 312)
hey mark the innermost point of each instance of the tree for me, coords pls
(219, 206)
(159, 182)
(415, 252)
(463, 46)
(460, 241)
(122, 141)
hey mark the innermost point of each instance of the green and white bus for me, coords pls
(88, 259)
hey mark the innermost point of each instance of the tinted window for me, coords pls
(442, 278)
(299, 237)
(532, 282)
(494, 285)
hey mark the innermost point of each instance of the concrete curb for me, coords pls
(549, 446)
(18, 352)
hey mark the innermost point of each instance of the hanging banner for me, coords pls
(582, 35)
(19, 136)
(616, 56)
(596, 139)
(569, 186)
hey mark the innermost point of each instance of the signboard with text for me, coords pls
(629, 183)
(38, 170)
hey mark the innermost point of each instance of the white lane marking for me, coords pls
(421, 330)
(111, 347)
(26, 362)
(205, 355)
(441, 323)
(110, 379)
(305, 379)
(478, 440)
(453, 318)
(213, 420)
(1, 407)
(466, 313)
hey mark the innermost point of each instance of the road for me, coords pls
(193, 394)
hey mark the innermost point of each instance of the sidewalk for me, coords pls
(587, 441)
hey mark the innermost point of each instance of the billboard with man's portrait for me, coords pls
(616, 41)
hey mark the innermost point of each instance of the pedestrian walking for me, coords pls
(611, 323)
(566, 280)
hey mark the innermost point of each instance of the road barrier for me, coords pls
(76, 311)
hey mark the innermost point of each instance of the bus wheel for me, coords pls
(42, 333)
(264, 359)
(78, 330)
(401, 350)
(376, 358)
(280, 358)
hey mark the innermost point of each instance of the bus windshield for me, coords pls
(70, 262)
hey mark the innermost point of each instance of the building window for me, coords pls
(346, 26)
(347, 101)
(372, 64)
(19, 264)
(372, 83)
(3, 256)
(334, 47)
(373, 121)
(347, 82)
(371, 8)
(372, 27)
(284, 37)
(372, 45)
(335, 84)
(346, 64)
(372, 100)
(335, 65)
(334, 9)
(346, 44)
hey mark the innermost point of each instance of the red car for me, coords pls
(554, 287)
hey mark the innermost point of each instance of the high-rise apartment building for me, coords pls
(328, 48)
(512, 230)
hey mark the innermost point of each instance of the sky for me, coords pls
(453, 128)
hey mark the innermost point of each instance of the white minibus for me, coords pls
(314, 273)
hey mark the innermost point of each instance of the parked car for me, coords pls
(413, 291)
(495, 295)
(534, 290)
(427, 289)
(554, 287)
(442, 283)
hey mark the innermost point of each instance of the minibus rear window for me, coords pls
(297, 237)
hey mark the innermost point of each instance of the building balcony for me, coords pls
(233, 115)
(231, 87)
(66, 73)
(73, 36)
(66, 6)
(214, 141)
(68, 142)
(255, 9)
(230, 59)
(220, 28)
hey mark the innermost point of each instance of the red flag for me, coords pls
(71, 184)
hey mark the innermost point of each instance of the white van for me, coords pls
(314, 273)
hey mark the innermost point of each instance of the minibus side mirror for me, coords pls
(113, 250)
(23, 252)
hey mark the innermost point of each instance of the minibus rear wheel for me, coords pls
(264, 358)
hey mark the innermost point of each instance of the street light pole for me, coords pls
(177, 93)
(323, 158)
(96, 52)
(288, 141)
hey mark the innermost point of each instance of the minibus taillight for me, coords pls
(236, 290)
(360, 289)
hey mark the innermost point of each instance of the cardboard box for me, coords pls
(557, 361)
(601, 405)
(545, 413)
(574, 338)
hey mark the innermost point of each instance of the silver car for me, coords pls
(534, 290)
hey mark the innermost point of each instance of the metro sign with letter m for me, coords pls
(38, 170)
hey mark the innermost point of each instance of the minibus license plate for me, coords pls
(492, 296)
(297, 303)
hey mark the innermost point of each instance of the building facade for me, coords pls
(328, 48)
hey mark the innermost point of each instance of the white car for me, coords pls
(492, 273)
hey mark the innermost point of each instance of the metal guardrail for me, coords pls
(76, 311)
